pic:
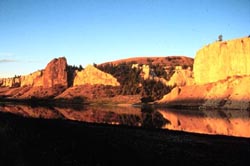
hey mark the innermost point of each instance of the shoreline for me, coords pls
(27, 141)
(61, 102)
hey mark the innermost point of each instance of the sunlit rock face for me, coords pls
(55, 73)
(41, 84)
(220, 60)
(146, 72)
(33, 79)
(93, 76)
(221, 75)
(181, 77)
(10, 82)
(232, 93)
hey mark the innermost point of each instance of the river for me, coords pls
(215, 122)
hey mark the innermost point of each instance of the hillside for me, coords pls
(164, 61)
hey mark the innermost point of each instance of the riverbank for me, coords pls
(26, 141)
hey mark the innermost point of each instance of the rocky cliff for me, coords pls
(220, 60)
(222, 77)
(10, 82)
(33, 79)
(53, 80)
(45, 83)
(93, 76)
(232, 93)
(55, 73)
(181, 77)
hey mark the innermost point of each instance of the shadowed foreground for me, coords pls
(26, 141)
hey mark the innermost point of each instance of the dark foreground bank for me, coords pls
(26, 141)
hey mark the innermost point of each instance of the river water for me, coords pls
(218, 122)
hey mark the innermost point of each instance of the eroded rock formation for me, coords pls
(53, 80)
(146, 72)
(93, 76)
(40, 84)
(33, 79)
(222, 78)
(181, 77)
(220, 60)
(232, 93)
(55, 73)
(10, 82)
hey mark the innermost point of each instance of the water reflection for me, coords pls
(31, 111)
(229, 122)
(129, 116)
(110, 115)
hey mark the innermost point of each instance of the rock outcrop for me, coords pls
(10, 82)
(222, 78)
(232, 93)
(93, 76)
(181, 77)
(33, 79)
(220, 60)
(55, 73)
(146, 72)
(41, 84)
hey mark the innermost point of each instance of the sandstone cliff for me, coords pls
(33, 79)
(232, 93)
(220, 60)
(93, 76)
(55, 73)
(222, 78)
(146, 71)
(181, 77)
(41, 84)
(10, 82)
(53, 80)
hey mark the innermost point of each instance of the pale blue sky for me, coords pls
(32, 32)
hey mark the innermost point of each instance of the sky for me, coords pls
(33, 32)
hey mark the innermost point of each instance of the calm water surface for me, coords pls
(223, 122)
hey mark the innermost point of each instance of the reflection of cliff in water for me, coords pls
(228, 122)
(109, 115)
(31, 111)
(129, 116)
